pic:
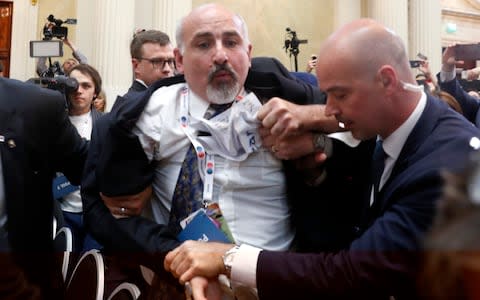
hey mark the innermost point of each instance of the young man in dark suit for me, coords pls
(152, 58)
(36, 140)
(364, 70)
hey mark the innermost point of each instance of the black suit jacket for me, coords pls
(38, 141)
(112, 142)
(381, 261)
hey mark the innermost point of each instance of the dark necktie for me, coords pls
(188, 193)
(378, 162)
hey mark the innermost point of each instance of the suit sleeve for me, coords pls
(468, 103)
(380, 261)
(133, 234)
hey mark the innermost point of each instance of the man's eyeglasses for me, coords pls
(160, 62)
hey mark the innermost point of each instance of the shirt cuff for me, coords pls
(448, 76)
(244, 266)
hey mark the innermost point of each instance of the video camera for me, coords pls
(291, 43)
(61, 83)
(49, 48)
(55, 28)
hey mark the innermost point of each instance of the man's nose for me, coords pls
(330, 109)
(167, 68)
(220, 56)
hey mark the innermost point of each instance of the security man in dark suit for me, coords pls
(364, 69)
(36, 140)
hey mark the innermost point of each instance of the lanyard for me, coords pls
(206, 162)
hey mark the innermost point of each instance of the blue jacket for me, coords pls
(381, 261)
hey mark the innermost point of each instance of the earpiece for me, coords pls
(412, 87)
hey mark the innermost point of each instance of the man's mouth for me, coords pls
(222, 75)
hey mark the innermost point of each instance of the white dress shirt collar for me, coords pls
(394, 143)
(198, 106)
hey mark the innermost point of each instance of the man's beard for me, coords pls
(224, 92)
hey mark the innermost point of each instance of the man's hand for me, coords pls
(194, 258)
(449, 59)
(473, 74)
(129, 205)
(290, 147)
(203, 289)
(283, 118)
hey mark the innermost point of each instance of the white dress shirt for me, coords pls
(251, 193)
(244, 263)
(84, 124)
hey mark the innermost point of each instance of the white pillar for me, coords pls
(346, 11)
(24, 29)
(112, 33)
(167, 13)
(425, 15)
(392, 13)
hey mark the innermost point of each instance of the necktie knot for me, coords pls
(216, 109)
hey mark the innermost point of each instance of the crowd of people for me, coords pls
(219, 175)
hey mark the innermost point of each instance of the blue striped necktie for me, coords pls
(188, 194)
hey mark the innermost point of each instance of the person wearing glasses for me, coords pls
(152, 58)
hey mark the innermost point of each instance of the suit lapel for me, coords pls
(417, 137)
(13, 163)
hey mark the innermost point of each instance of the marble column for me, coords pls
(425, 31)
(167, 13)
(392, 13)
(112, 32)
(24, 29)
(346, 11)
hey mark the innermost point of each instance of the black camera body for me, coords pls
(55, 28)
(61, 83)
(292, 41)
(415, 63)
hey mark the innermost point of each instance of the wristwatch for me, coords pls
(319, 141)
(323, 143)
(228, 259)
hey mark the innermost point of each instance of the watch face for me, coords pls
(319, 141)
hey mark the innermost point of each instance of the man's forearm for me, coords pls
(315, 120)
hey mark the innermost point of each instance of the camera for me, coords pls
(291, 43)
(55, 28)
(415, 63)
(61, 83)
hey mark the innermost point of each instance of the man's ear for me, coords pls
(387, 76)
(178, 60)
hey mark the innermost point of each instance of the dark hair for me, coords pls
(90, 71)
(1, 67)
(449, 99)
(147, 36)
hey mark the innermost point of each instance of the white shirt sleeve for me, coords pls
(244, 266)
(448, 76)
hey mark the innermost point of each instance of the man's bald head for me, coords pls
(364, 69)
(367, 45)
(205, 11)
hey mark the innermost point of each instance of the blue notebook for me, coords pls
(202, 228)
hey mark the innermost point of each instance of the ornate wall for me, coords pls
(465, 14)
